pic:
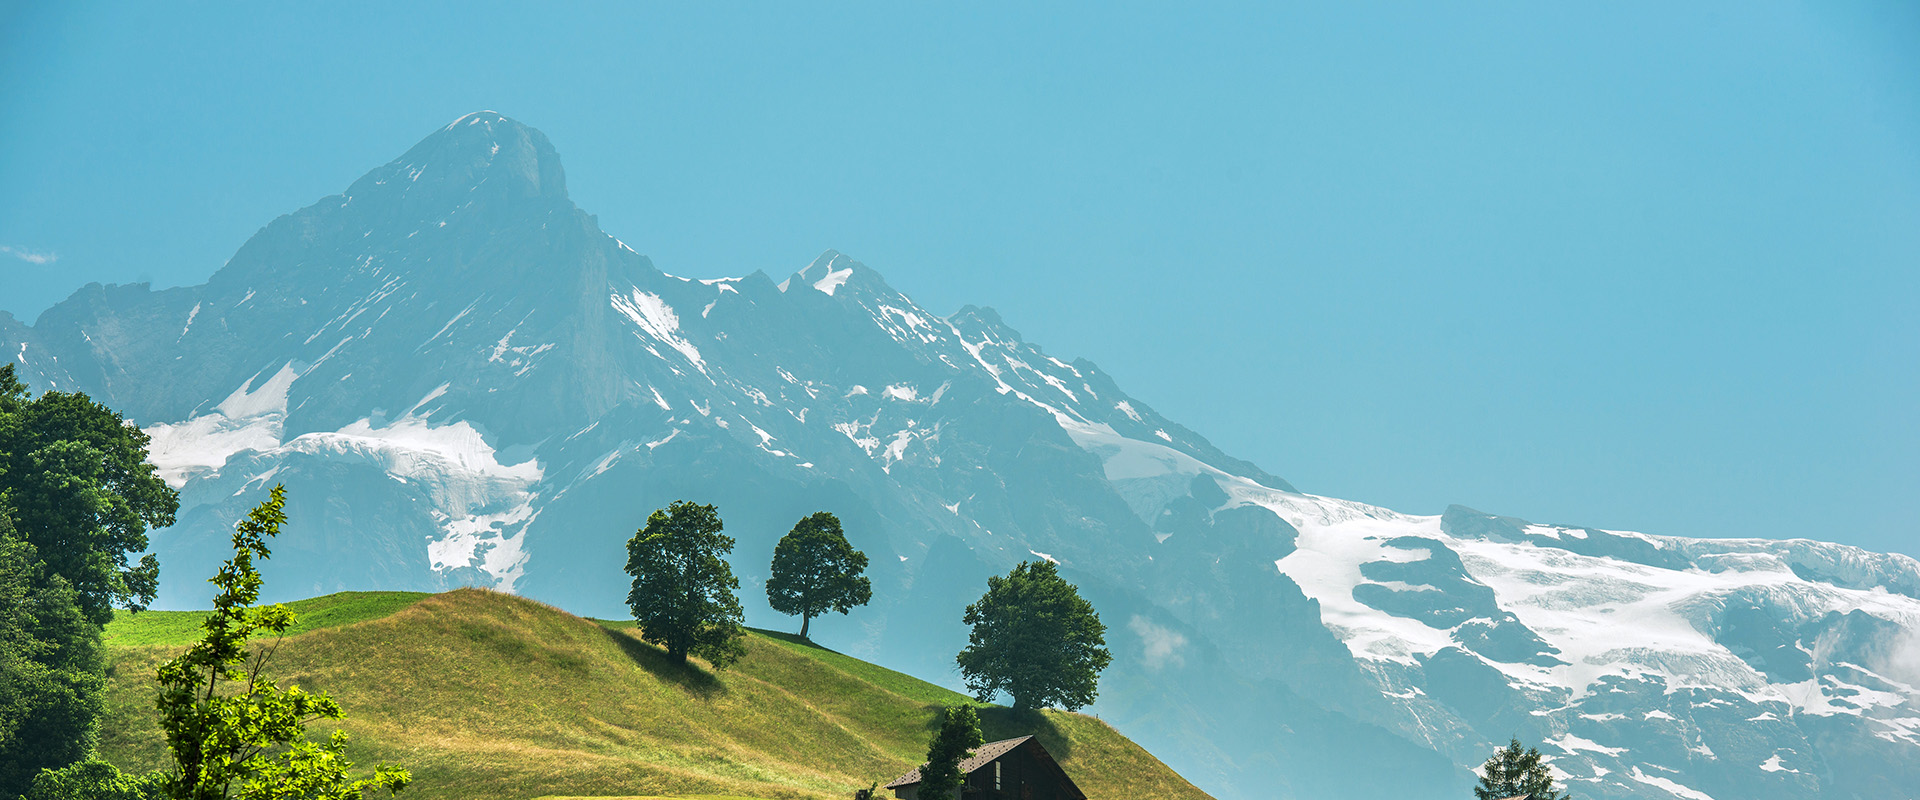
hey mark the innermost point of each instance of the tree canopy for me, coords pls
(232, 731)
(1035, 638)
(76, 499)
(815, 571)
(94, 779)
(1516, 771)
(959, 734)
(76, 476)
(51, 669)
(683, 589)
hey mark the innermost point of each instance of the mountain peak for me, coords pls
(482, 149)
(482, 117)
(834, 269)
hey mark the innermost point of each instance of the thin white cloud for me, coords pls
(30, 256)
(1898, 657)
(1163, 646)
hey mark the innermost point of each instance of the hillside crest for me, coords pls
(486, 694)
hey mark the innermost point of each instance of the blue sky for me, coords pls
(1632, 265)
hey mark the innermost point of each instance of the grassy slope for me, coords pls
(482, 694)
(183, 627)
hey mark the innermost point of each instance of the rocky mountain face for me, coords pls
(462, 380)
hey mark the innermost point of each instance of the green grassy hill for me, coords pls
(488, 695)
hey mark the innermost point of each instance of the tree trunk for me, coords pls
(805, 620)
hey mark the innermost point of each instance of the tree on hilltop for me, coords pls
(682, 595)
(1034, 637)
(1516, 771)
(815, 571)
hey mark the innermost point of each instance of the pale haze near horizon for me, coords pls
(1637, 267)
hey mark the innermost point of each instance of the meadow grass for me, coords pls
(656, 797)
(484, 694)
(181, 628)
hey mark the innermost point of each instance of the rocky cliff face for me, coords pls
(463, 380)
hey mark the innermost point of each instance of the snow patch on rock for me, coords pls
(652, 315)
(834, 279)
(251, 418)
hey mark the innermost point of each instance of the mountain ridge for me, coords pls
(503, 397)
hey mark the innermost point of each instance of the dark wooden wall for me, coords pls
(1022, 777)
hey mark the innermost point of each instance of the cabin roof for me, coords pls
(982, 756)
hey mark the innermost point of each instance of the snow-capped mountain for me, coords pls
(463, 380)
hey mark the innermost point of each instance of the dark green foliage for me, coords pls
(50, 668)
(1035, 638)
(232, 730)
(83, 493)
(682, 594)
(959, 734)
(1514, 771)
(96, 780)
(815, 571)
(76, 498)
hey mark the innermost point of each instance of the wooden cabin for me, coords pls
(1009, 769)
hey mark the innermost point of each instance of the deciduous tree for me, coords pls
(233, 731)
(683, 589)
(76, 499)
(1035, 638)
(82, 492)
(815, 571)
(51, 668)
(96, 780)
(959, 734)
